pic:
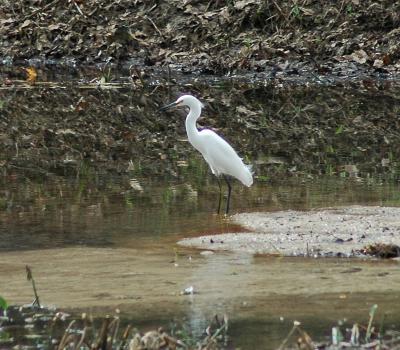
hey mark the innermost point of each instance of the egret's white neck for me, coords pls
(191, 129)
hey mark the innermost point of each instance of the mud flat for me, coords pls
(343, 231)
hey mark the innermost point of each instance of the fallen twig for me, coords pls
(65, 336)
(41, 9)
(155, 26)
(78, 8)
(125, 337)
(295, 325)
(80, 342)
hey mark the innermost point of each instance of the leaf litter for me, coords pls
(217, 37)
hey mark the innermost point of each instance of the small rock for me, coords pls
(188, 291)
(206, 252)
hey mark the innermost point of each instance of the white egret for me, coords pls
(219, 154)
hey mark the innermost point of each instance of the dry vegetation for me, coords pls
(208, 36)
(30, 327)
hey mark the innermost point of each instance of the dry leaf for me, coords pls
(359, 56)
(54, 26)
(241, 4)
(31, 75)
(135, 185)
(378, 63)
(25, 24)
(81, 105)
(386, 60)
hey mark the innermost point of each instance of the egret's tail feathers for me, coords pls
(247, 176)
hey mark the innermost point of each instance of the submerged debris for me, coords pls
(370, 335)
(188, 291)
(31, 327)
(382, 250)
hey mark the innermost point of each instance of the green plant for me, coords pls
(3, 304)
(247, 42)
(339, 129)
(349, 9)
(295, 11)
(262, 178)
(329, 170)
(330, 149)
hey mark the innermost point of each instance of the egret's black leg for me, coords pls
(220, 195)
(229, 194)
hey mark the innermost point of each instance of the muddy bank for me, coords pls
(215, 37)
(347, 231)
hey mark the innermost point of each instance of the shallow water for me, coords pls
(98, 240)
(97, 234)
(108, 212)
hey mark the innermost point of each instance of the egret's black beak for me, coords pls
(173, 104)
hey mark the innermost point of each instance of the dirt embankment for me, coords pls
(211, 36)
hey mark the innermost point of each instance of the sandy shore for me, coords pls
(328, 232)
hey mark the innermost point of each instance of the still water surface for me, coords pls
(108, 212)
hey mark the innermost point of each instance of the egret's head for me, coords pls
(189, 100)
(185, 100)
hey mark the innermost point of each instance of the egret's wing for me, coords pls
(222, 158)
(217, 149)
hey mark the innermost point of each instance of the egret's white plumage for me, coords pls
(219, 154)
